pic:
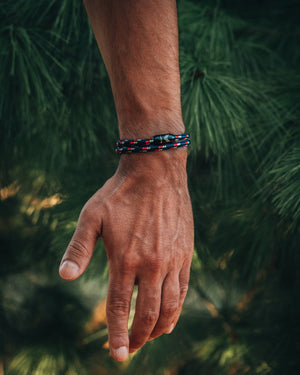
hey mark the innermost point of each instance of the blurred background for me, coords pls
(239, 64)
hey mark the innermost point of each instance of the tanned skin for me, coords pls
(143, 212)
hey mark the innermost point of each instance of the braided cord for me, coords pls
(157, 139)
(150, 148)
(157, 143)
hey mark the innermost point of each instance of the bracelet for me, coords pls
(157, 143)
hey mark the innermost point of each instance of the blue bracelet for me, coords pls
(157, 143)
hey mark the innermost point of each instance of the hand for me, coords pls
(144, 215)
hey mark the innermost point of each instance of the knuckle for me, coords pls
(183, 290)
(117, 306)
(127, 264)
(149, 318)
(78, 250)
(169, 309)
(154, 265)
(87, 213)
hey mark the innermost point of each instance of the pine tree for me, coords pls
(240, 96)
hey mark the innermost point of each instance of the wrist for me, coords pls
(154, 167)
(159, 165)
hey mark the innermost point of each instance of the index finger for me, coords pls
(119, 296)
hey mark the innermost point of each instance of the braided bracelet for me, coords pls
(157, 143)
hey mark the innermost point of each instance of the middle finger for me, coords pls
(146, 313)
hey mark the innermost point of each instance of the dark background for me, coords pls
(239, 64)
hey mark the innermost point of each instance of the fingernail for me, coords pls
(68, 270)
(170, 328)
(121, 354)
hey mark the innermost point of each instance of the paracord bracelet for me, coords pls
(157, 143)
(168, 146)
(157, 139)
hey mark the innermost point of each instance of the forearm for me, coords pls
(143, 213)
(138, 41)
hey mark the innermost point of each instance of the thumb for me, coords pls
(81, 246)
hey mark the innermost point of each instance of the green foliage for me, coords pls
(240, 97)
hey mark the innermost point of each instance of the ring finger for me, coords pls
(169, 305)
